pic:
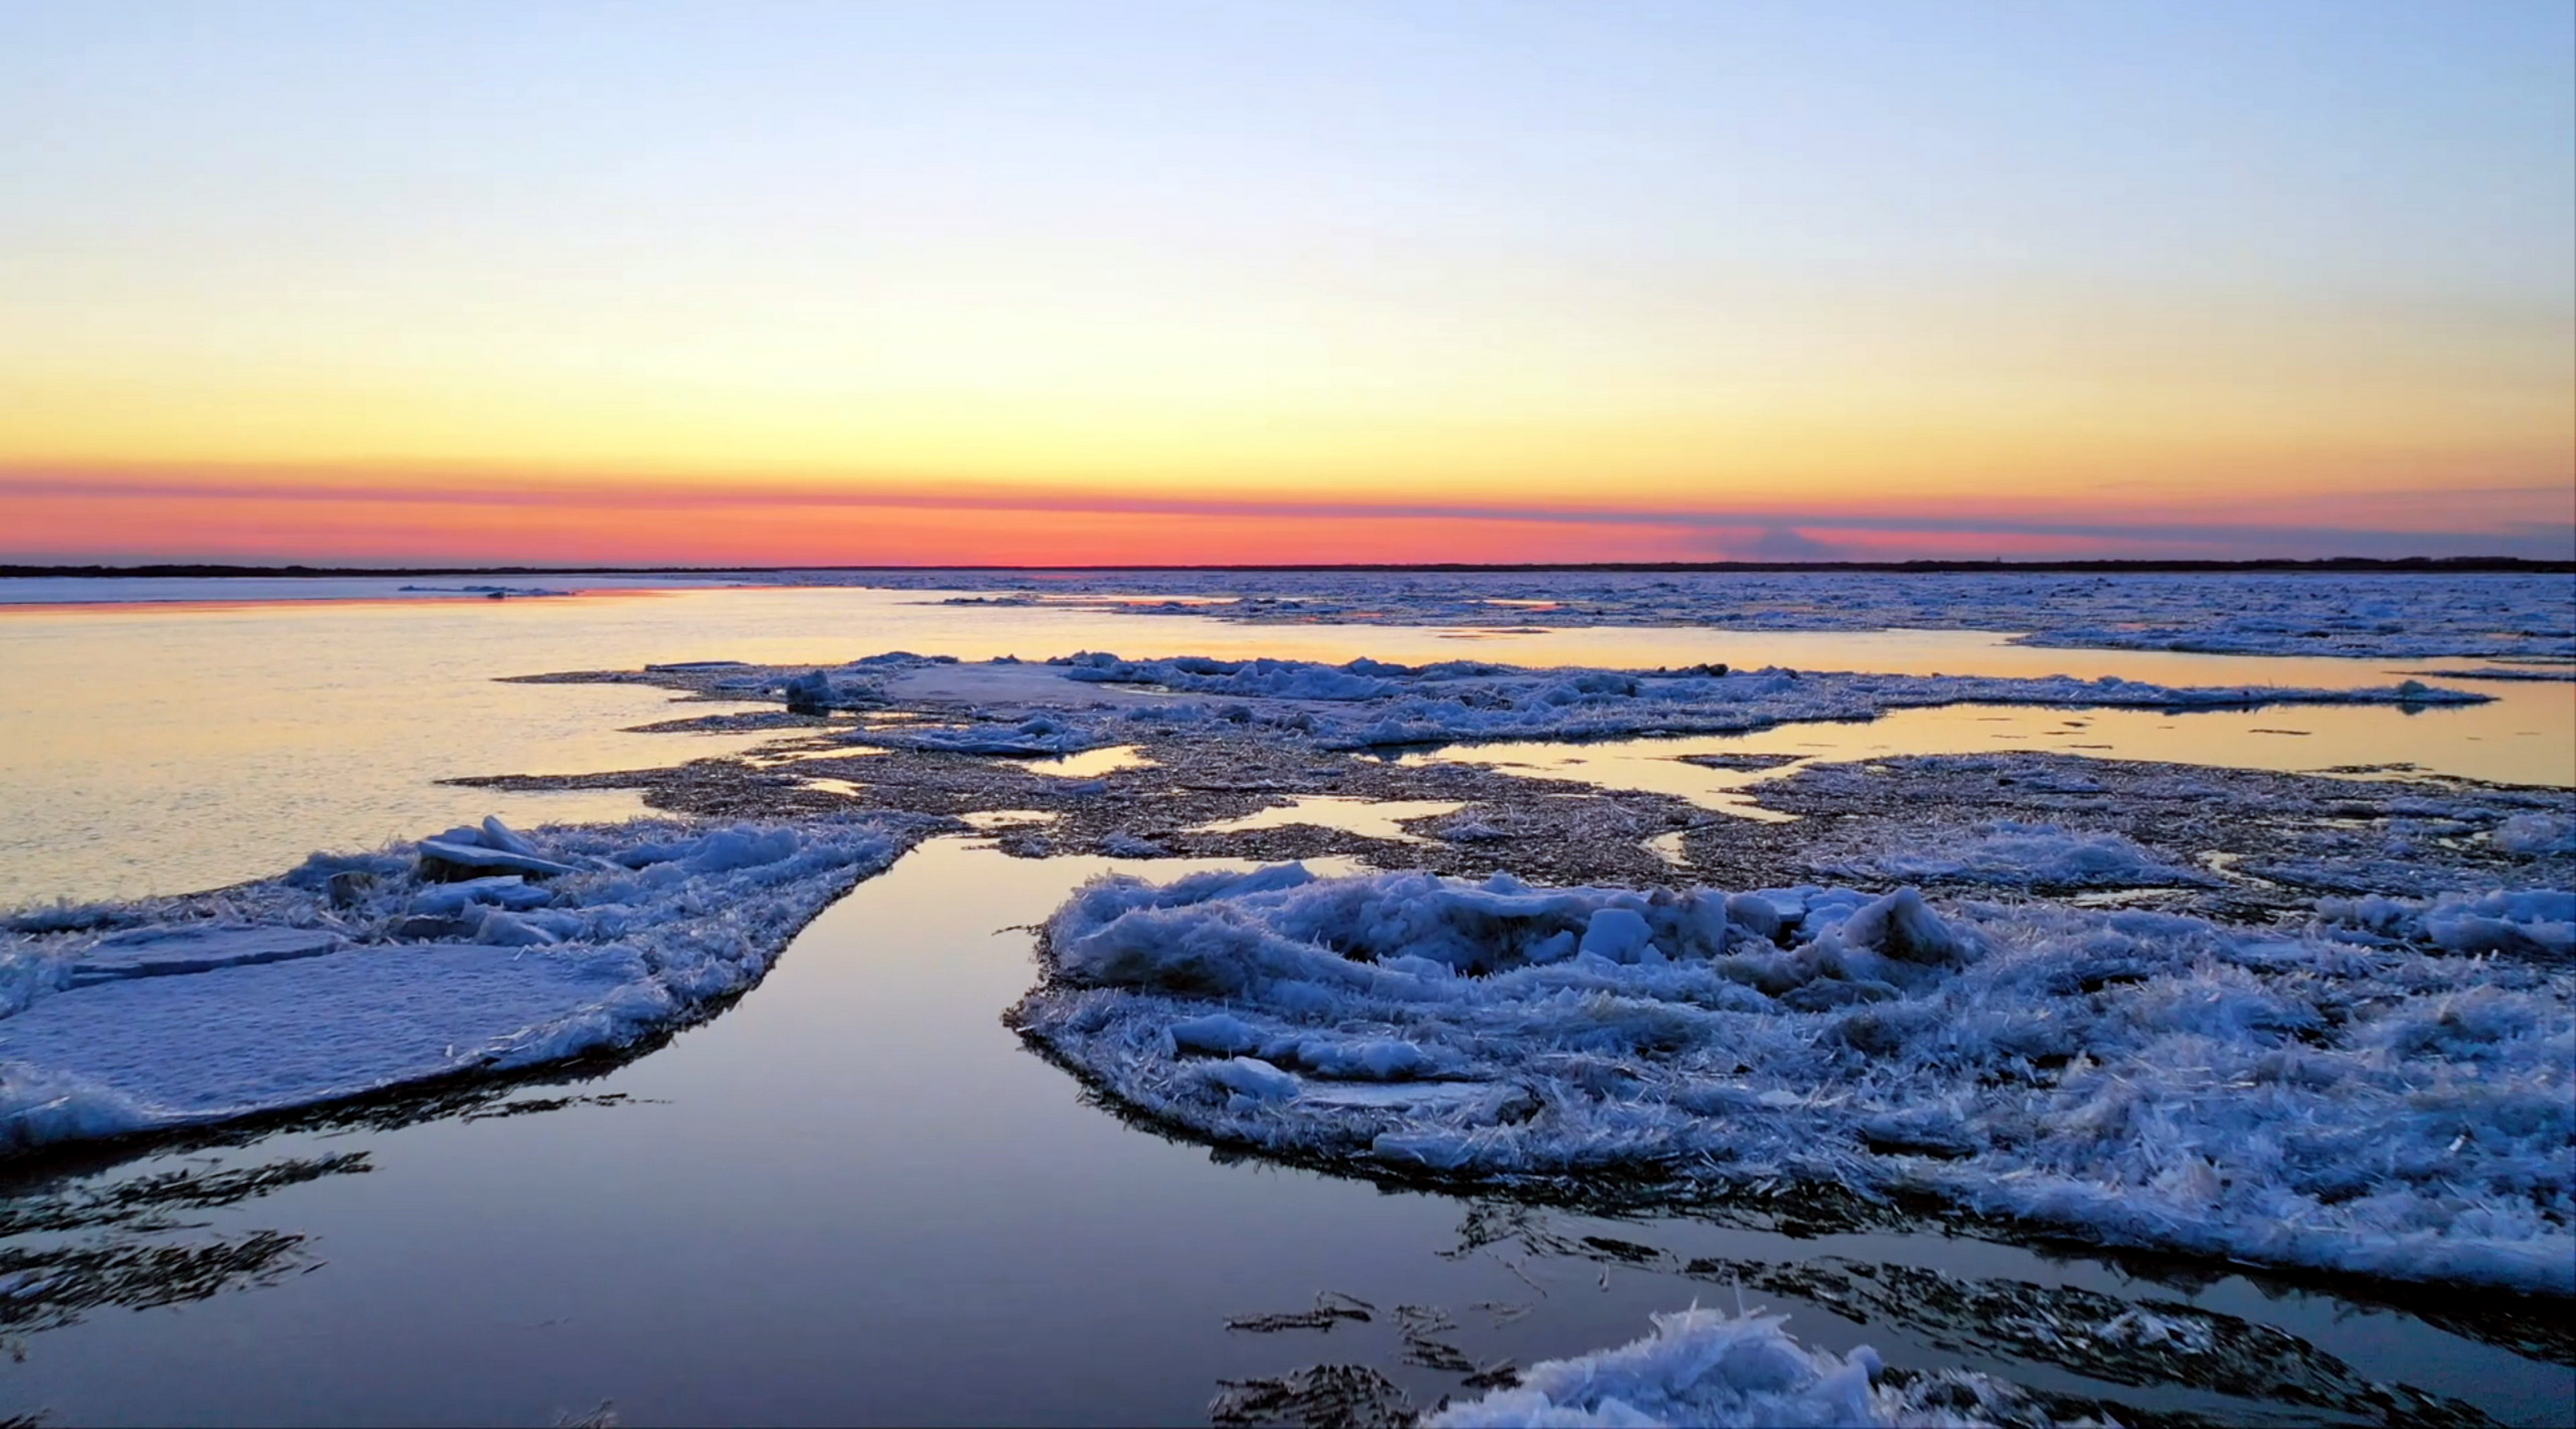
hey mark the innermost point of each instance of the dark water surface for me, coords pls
(854, 1197)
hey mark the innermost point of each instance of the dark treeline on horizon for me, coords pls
(2441, 565)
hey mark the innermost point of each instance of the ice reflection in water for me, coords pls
(1089, 764)
(994, 820)
(786, 758)
(1668, 847)
(855, 1197)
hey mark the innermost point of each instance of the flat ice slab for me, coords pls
(358, 974)
(165, 952)
(2388, 1091)
(259, 1036)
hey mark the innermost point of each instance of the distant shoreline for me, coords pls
(2338, 565)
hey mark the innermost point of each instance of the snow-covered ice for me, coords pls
(2388, 1091)
(1094, 699)
(476, 950)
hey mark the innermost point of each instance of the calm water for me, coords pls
(854, 1196)
(164, 748)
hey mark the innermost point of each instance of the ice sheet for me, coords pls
(354, 974)
(2378, 615)
(2339, 1096)
(1020, 710)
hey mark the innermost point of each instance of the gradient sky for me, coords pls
(1238, 282)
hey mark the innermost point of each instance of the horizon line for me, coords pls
(2392, 565)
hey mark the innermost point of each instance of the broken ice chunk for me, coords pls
(1619, 934)
(162, 952)
(445, 862)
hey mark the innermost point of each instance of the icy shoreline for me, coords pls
(2369, 1095)
(478, 950)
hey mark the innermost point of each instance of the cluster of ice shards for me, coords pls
(2520, 922)
(476, 950)
(1705, 1367)
(2367, 614)
(2131, 1078)
(1372, 704)
(2536, 834)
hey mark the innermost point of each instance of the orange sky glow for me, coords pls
(862, 285)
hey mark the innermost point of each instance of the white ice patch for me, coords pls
(2133, 1078)
(1369, 704)
(1708, 1368)
(357, 974)
(2011, 854)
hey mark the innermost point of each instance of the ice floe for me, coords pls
(476, 950)
(2389, 1092)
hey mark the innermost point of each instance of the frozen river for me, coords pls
(855, 1196)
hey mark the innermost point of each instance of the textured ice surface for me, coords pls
(2376, 615)
(2525, 921)
(2332, 1097)
(2239, 845)
(1705, 1367)
(355, 974)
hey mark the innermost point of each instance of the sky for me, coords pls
(1229, 281)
